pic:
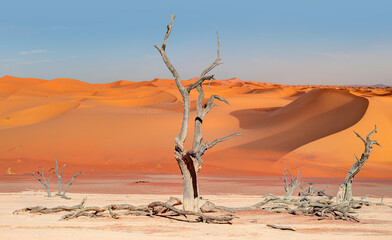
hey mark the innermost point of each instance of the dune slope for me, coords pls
(317, 114)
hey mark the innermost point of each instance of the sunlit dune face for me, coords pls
(128, 126)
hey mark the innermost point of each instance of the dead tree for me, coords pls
(190, 161)
(60, 191)
(344, 194)
(292, 185)
(43, 179)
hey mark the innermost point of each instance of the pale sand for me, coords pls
(17, 192)
(375, 222)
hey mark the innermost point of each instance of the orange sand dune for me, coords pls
(35, 115)
(128, 126)
(10, 85)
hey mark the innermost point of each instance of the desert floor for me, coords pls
(376, 221)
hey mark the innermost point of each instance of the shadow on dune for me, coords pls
(315, 115)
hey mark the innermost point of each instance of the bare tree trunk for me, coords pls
(191, 185)
(190, 161)
(59, 176)
(344, 194)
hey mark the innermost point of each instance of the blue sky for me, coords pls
(288, 42)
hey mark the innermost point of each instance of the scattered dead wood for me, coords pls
(164, 209)
(280, 227)
(227, 218)
(321, 207)
(45, 210)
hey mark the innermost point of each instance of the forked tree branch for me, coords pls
(199, 82)
(374, 131)
(368, 141)
(43, 180)
(210, 104)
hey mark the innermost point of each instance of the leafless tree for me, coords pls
(43, 180)
(60, 191)
(190, 161)
(344, 194)
(292, 185)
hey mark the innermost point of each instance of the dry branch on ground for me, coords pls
(157, 208)
(321, 207)
(280, 227)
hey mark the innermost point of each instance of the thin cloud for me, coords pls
(32, 52)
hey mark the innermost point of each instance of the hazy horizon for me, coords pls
(285, 42)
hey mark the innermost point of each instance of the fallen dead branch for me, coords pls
(227, 218)
(280, 227)
(45, 210)
(321, 207)
(115, 210)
